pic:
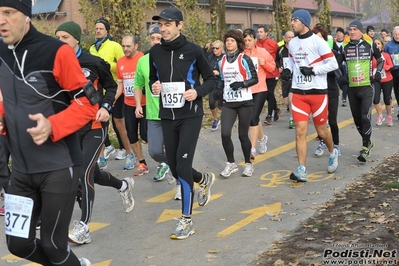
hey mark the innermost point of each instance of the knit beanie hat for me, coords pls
(72, 28)
(304, 16)
(103, 21)
(356, 24)
(24, 6)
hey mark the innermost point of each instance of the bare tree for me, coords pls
(282, 16)
(323, 13)
(217, 10)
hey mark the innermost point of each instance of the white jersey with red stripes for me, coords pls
(314, 52)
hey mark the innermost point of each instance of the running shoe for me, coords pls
(204, 192)
(84, 262)
(333, 162)
(178, 193)
(389, 121)
(108, 151)
(380, 119)
(229, 169)
(184, 229)
(130, 162)
(121, 154)
(162, 171)
(277, 113)
(80, 233)
(253, 153)
(262, 144)
(141, 170)
(364, 153)
(343, 103)
(291, 124)
(2, 211)
(300, 174)
(338, 149)
(127, 195)
(39, 224)
(268, 120)
(102, 163)
(320, 149)
(215, 124)
(248, 169)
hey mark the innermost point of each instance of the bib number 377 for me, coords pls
(18, 214)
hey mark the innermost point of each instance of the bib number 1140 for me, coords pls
(303, 79)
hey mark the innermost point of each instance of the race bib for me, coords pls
(255, 61)
(395, 59)
(18, 214)
(128, 85)
(172, 94)
(383, 73)
(285, 62)
(240, 95)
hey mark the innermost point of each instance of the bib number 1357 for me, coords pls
(18, 213)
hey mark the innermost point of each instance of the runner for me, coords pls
(237, 75)
(213, 59)
(175, 67)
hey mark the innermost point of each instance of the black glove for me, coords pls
(217, 95)
(307, 71)
(237, 85)
(377, 76)
(286, 74)
(343, 80)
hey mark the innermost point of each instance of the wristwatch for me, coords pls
(107, 107)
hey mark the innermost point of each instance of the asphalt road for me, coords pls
(245, 214)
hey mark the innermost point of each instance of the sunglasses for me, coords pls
(215, 48)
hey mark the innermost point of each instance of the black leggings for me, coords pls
(395, 75)
(213, 103)
(4, 156)
(229, 116)
(360, 101)
(180, 137)
(53, 194)
(259, 102)
(386, 88)
(132, 124)
(271, 99)
(91, 142)
(332, 118)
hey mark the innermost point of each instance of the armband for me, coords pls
(91, 93)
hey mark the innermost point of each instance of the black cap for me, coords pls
(105, 22)
(356, 24)
(170, 14)
(369, 28)
(339, 29)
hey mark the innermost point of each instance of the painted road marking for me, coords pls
(170, 214)
(282, 177)
(104, 263)
(255, 213)
(166, 196)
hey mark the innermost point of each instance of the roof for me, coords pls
(304, 4)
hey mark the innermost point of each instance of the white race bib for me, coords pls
(172, 94)
(128, 85)
(285, 62)
(395, 59)
(383, 73)
(240, 95)
(18, 213)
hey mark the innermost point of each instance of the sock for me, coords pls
(143, 161)
(85, 226)
(124, 186)
(204, 179)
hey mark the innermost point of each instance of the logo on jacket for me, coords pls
(86, 72)
(185, 156)
(181, 57)
(32, 79)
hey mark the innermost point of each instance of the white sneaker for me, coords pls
(262, 144)
(248, 169)
(84, 262)
(178, 193)
(333, 162)
(127, 195)
(80, 233)
(121, 154)
(253, 153)
(320, 149)
(108, 151)
(229, 169)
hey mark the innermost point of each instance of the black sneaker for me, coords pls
(277, 113)
(268, 120)
(364, 153)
